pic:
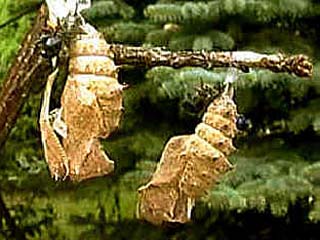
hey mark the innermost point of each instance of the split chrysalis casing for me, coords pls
(190, 165)
(91, 108)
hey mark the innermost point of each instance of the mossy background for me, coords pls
(274, 191)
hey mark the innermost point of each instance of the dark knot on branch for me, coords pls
(299, 65)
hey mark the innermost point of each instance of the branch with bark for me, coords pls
(299, 65)
(28, 66)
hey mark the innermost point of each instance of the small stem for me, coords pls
(151, 57)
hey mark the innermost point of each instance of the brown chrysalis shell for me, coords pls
(54, 153)
(91, 107)
(190, 165)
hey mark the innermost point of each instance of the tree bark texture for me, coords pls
(150, 57)
(27, 66)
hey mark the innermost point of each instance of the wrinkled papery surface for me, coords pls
(54, 153)
(91, 106)
(190, 165)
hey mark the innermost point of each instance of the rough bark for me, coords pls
(27, 66)
(150, 57)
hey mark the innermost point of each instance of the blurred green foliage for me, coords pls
(276, 179)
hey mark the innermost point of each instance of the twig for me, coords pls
(150, 57)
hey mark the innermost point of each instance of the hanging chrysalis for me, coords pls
(91, 108)
(190, 165)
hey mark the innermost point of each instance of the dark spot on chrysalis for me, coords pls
(245, 69)
(243, 123)
(51, 46)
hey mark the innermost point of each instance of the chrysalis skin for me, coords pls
(54, 153)
(190, 165)
(91, 107)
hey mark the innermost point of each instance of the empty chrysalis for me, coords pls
(191, 164)
(91, 108)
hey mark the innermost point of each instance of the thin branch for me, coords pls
(28, 65)
(150, 57)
